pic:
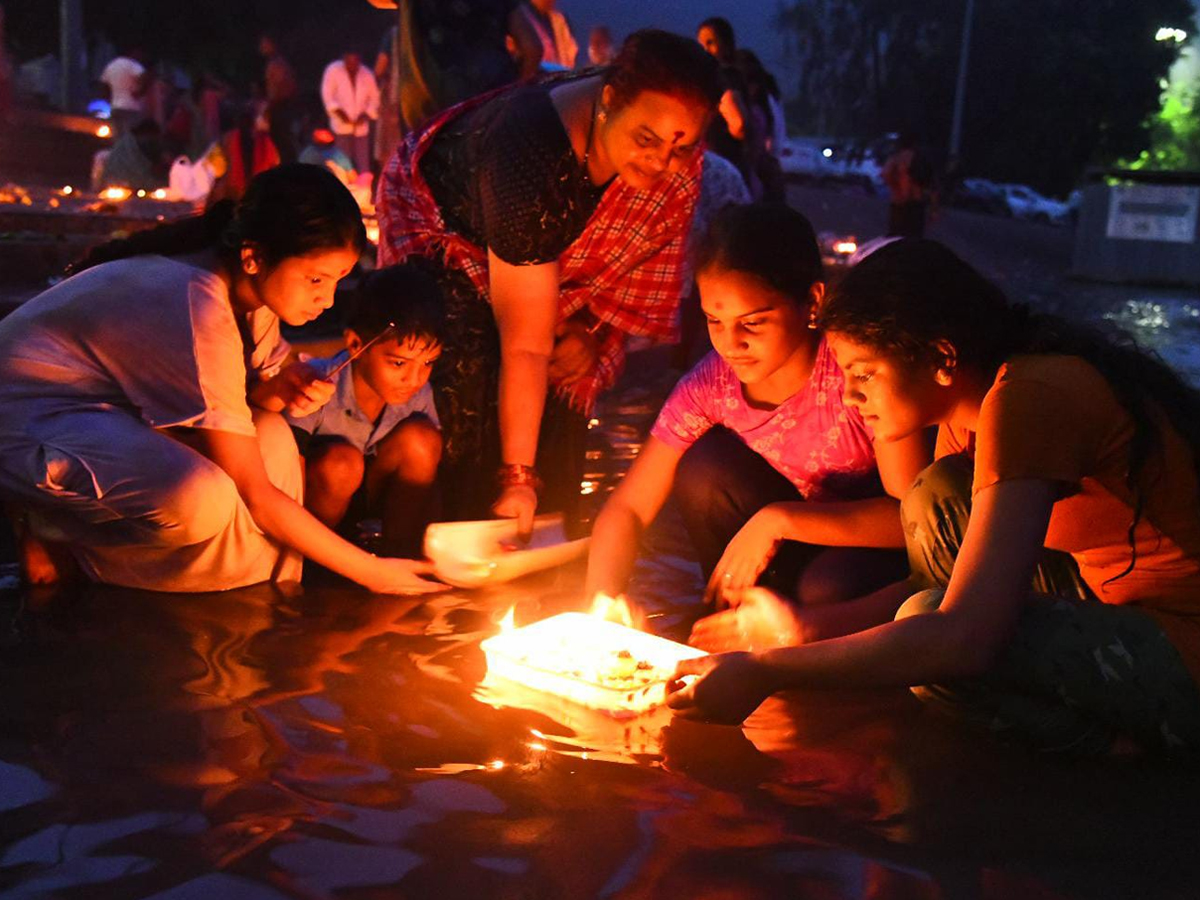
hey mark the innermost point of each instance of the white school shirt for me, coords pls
(354, 99)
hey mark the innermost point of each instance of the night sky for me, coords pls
(753, 21)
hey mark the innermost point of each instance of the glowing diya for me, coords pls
(588, 660)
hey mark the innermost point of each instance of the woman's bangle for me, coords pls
(515, 474)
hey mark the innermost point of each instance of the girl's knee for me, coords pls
(281, 457)
(921, 603)
(274, 433)
(702, 471)
(202, 503)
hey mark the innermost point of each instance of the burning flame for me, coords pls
(508, 623)
(373, 232)
(614, 609)
(845, 247)
(115, 193)
(159, 194)
(103, 131)
(68, 190)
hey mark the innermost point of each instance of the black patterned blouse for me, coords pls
(505, 177)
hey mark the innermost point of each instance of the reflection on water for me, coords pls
(1167, 324)
(253, 744)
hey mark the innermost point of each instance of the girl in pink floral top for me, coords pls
(820, 445)
(778, 481)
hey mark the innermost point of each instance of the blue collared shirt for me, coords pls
(342, 418)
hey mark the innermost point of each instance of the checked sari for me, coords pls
(628, 267)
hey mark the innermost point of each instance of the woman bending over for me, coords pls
(558, 212)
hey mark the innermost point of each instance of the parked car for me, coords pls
(981, 195)
(1026, 203)
(835, 162)
(806, 159)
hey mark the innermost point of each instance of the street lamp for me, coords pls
(70, 39)
(960, 88)
(1178, 35)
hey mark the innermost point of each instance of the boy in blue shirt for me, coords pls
(380, 430)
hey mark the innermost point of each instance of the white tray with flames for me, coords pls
(590, 661)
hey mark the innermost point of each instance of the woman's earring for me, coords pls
(812, 318)
(250, 266)
(602, 115)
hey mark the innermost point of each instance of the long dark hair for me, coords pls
(286, 211)
(909, 295)
(653, 60)
(770, 241)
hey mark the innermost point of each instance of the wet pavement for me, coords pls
(326, 743)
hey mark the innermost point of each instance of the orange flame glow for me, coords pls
(615, 609)
(508, 622)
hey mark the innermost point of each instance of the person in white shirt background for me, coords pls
(126, 79)
(351, 97)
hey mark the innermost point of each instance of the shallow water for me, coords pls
(253, 744)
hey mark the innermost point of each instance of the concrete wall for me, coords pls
(1102, 256)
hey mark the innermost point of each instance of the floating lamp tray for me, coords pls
(590, 661)
(477, 554)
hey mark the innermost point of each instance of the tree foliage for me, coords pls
(1174, 131)
(1053, 85)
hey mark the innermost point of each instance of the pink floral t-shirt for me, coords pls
(819, 444)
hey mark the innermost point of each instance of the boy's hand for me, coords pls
(302, 389)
